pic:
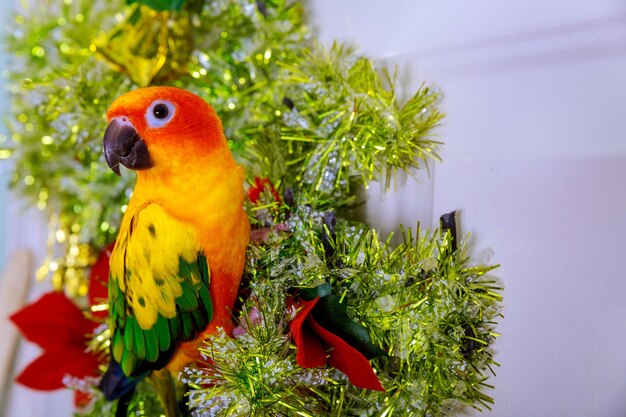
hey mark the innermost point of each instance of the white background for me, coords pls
(534, 160)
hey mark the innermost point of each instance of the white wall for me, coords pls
(535, 159)
(4, 164)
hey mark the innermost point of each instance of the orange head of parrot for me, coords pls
(160, 128)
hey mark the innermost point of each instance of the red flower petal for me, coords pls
(311, 353)
(261, 184)
(53, 321)
(274, 192)
(99, 279)
(82, 398)
(347, 359)
(254, 192)
(47, 371)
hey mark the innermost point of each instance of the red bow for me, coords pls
(314, 343)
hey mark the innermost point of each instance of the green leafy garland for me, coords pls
(320, 123)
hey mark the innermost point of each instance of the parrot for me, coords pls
(179, 256)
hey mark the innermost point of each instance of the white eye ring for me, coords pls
(160, 113)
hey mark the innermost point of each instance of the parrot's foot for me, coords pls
(165, 387)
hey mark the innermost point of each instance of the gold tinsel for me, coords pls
(148, 45)
(67, 259)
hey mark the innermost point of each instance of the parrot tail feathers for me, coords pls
(115, 384)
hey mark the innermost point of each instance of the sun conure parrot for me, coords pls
(179, 256)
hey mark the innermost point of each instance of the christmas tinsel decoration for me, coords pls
(320, 122)
(421, 301)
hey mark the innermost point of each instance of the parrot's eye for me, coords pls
(160, 113)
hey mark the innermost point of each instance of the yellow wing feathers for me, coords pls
(146, 265)
(158, 288)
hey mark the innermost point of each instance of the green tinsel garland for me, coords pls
(320, 123)
(421, 301)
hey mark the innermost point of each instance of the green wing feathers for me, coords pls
(158, 291)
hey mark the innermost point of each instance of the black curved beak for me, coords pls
(123, 145)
